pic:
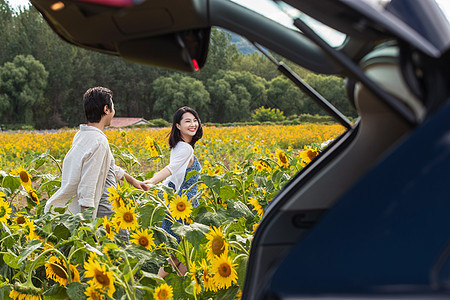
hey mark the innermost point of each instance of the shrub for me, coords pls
(268, 115)
(159, 123)
(307, 118)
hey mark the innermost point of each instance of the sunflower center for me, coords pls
(2, 211)
(128, 217)
(162, 294)
(311, 154)
(205, 275)
(224, 270)
(217, 246)
(143, 241)
(94, 295)
(181, 206)
(108, 228)
(34, 197)
(58, 270)
(102, 278)
(23, 176)
(20, 220)
(283, 158)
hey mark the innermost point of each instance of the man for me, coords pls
(89, 164)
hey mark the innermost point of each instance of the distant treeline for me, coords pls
(42, 79)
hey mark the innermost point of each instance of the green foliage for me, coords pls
(268, 114)
(176, 91)
(227, 89)
(332, 89)
(234, 95)
(307, 118)
(283, 94)
(159, 123)
(22, 84)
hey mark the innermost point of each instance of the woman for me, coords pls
(186, 131)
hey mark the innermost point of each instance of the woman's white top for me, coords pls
(180, 156)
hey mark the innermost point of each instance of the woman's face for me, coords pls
(188, 126)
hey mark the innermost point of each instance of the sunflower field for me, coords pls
(61, 255)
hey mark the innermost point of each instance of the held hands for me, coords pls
(143, 186)
(148, 182)
(140, 185)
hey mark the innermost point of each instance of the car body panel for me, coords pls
(394, 222)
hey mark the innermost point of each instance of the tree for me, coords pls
(221, 54)
(234, 95)
(332, 89)
(283, 94)
(6, 36)
(176, 91)
(256, 64)
(23, 82)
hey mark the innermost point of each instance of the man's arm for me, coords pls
(136, 183)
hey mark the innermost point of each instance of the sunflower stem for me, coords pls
(34, 263)
(56, 162)
(239, 256)
(239, 246)
(215, 199)
(133, 292)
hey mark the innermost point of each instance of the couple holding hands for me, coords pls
(89, 168)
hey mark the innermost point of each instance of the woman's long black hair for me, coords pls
(175, 134)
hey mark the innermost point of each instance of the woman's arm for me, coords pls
(159, 176)
(136, 183)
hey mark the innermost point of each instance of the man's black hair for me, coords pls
(94, 101)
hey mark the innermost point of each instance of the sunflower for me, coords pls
(25, 178)
(282, 158)
(258, 166)
(125, 218)
(236, 168)
(5, 211)
(152, 146)
(108, 228)
(56, 269)
(256, 206)
(256, 150)
(208, 282)
(307, 155)
(216, 244)
(22, 292)
(266, 166)
(20, 220)
(254, 227)
(163, 292)
(143, 238)
(101, 278)
(224, 272)
(115, 198)
(180, 207)
(33, 195)
(218, 171)
(93, 294)
(166, 198)
(2, 196)
(193, 274)
(29, 226)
